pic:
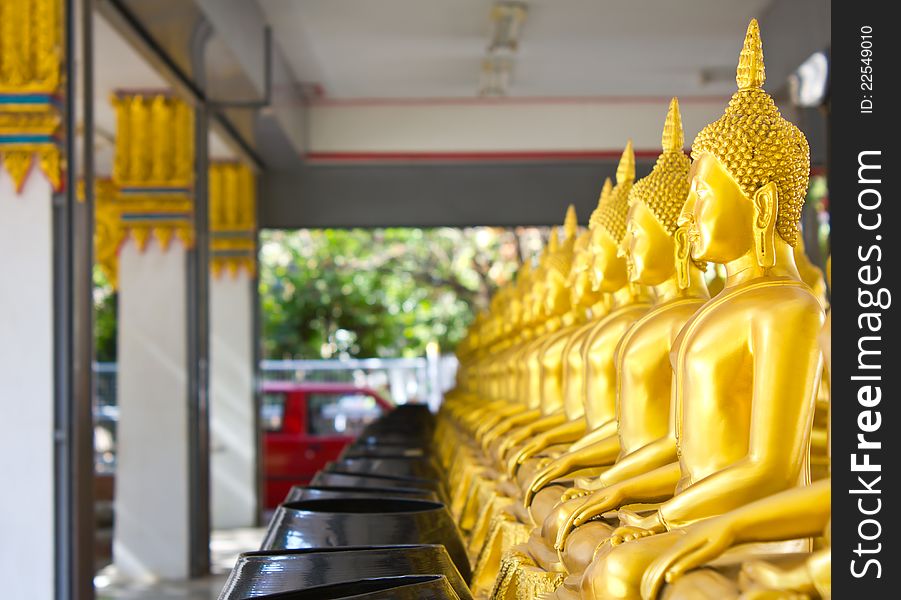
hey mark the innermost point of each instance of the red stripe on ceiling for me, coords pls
(339, 157)
(516, 100)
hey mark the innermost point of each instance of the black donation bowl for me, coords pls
(310, 492)
(354, 451)
(260, 573)
(416, 587)
(399, 466)
(365, 522)
(357, 480)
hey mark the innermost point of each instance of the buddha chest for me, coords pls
(600, 366)
(645, 373)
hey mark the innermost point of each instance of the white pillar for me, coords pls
(26, 387)
(148, 217)
(233, 441)
(151, 500)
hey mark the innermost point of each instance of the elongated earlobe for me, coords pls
(682, 256)
(766, 205)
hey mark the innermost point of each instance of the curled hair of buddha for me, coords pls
(756, 144)
(665, 188)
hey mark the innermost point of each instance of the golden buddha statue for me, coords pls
(465, 456)
(515, 319)
(517, 371)
(548, 444)
(659, 196)
(512, 328)
(746, 365)
(570, 316)
(798, 512)
(475, 371)
(521, 365)
(795, 513)
(504, 522)
(627, 303)
(544, 362)
(548, 298)
(716, 279)
(541, 319)
(588, 306)
(813, 276)
(658, 257)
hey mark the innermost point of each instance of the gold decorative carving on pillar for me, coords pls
(31, 63)
(232, 218)
(108, 230)
(153, 168)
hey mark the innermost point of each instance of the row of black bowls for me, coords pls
(372, 525)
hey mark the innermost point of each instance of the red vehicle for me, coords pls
(306, 425)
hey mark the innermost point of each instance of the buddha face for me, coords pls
(514, 312)
(539, 290)
(526, 308)
(649, 248)
(580, 280)
(718, 214)
(608, 269)
(556, 299)
(507, 327)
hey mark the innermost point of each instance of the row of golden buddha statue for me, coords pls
(620, 430)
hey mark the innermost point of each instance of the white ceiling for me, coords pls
(434, 48)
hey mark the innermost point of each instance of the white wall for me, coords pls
(26, 388)
(232, 444)
(500, 126)
(151, 503)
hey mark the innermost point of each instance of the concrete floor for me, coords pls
(225, 546)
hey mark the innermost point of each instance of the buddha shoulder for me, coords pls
(782, 301)
(623, 316)
(664, 321)
(774, 305)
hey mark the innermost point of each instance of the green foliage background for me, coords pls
(104, 318)
(382, 292)
(366, 293)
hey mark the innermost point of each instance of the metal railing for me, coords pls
(400, 380)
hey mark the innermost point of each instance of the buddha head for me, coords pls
(580, 292)
(540, 282)
(513, 312)
(558, 265)
(517, 301)
(471, 340)
(749, 175)
(608, 227)
(498, 311)
(480, 330)
(655, 203)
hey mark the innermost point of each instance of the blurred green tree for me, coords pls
(381, 292)
(330, 293)
(104, 318)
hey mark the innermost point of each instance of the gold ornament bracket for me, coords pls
(31, 60)
(153, 168)
(232, 219)
(150, 194)
(120, 216)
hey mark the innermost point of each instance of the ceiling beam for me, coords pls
(433, 195)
